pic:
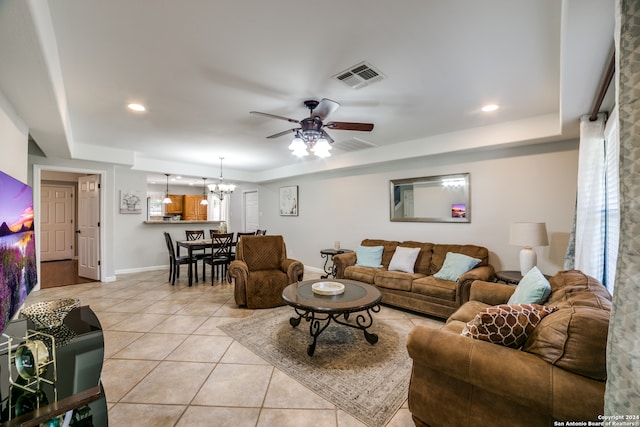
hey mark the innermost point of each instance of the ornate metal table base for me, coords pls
(318, 322)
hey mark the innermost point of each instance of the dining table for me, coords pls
(194, 245)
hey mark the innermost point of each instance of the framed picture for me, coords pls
(289, 201)
(130, 202)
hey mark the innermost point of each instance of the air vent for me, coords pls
(360, 75)
(353, 144)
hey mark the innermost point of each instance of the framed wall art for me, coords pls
(289, 201)
(130, 202)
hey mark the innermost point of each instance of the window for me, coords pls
(218, 210)
(598, 202)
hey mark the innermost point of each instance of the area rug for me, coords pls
(370, 382)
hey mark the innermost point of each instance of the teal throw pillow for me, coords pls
(534, 288)
(369, 256)
(455, 265)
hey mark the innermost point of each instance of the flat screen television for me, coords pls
(18, 270)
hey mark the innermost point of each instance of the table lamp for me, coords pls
(528, 235)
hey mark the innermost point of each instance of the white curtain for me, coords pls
(612, 199)
(590, 225)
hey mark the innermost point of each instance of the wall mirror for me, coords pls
(442, 198)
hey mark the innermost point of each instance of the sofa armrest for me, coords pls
(510, 373)
(239, 271)
(342, 261)
(490, 293)
(293, 268)
(485, 272)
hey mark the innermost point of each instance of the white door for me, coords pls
(88, 226)
(56, 222)
(251, 211)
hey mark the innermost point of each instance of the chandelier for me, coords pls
(310, 141)
(221, 189)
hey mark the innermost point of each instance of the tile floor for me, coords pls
(168, 364)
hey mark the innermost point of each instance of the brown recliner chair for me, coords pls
(262, 270)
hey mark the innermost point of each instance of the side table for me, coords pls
(511, 277)
(328, 254)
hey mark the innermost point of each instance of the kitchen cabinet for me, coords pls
(192, 209)
(176, 205)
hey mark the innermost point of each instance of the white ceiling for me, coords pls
(69, 68)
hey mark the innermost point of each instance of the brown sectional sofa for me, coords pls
(419, 291)
(558, 374)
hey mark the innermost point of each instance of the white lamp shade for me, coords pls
(528, 234)
(166, 200)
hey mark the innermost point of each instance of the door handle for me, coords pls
(77, 231)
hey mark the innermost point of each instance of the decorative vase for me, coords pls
(222, 228)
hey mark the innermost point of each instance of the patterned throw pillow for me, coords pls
(505, 324)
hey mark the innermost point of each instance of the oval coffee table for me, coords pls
(320, 310)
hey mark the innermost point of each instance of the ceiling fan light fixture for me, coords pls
(297, 144)
(322, 153)
(322, 145)
(301, 152)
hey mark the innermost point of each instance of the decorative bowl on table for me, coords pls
(50, 314)
(327, 288)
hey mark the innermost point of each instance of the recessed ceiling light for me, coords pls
(137, 107)
(490, 107)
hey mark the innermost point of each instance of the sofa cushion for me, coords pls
(362, 274)
(507, 325)
(369, 256)
(395, 279)
(440, 253)
(467, 312)
(435, 288)
(455, 265)
(573, 338)
(578, 288)
(389, 248)
(404, 259)
(423, 263)
(532, 289)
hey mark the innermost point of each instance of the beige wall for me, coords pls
(518, 184)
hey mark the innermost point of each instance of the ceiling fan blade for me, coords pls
(275, 117)
(324, 108)
(279, 134)
(326, 136)
(365, 127)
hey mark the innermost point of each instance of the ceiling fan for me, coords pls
(312, 128)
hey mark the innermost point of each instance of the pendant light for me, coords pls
(204, 200)
(166, 199)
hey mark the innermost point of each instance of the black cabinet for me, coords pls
(79, 351)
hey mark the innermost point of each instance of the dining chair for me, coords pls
(175, 261)
(238, 236)
(220, 257)
(198, 254)
(261, 232)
